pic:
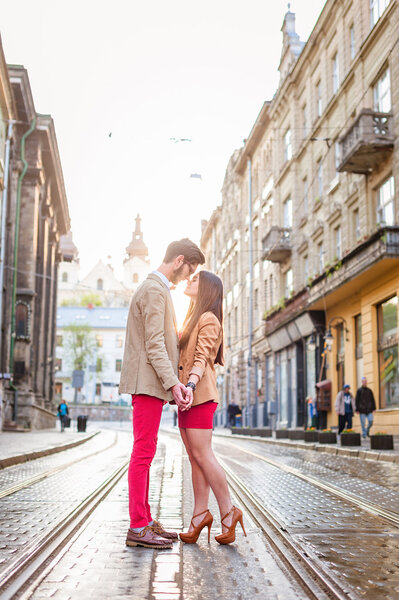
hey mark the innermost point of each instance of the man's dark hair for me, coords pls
(188, 249)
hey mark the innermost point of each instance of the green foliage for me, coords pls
(91, 298)
(79, 345)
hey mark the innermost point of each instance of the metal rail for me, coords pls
(371, 507)
(309, 572)
(36, 478)
(25, 566)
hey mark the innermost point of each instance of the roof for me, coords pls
(98, 317)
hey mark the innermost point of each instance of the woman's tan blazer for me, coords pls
(198, 357)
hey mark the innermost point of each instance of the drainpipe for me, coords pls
(250, 309)
(16, 241)
(3, 226)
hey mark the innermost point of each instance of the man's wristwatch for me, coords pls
(192, 385)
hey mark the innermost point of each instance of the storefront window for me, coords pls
(388, 352)
(340, 356)
(358, 349)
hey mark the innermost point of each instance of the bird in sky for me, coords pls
(110, 134)
(177, 140)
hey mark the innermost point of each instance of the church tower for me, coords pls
(136, 265)
(292, 45)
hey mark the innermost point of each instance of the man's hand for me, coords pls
(179, 392)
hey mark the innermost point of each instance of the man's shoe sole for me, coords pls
(144, 545)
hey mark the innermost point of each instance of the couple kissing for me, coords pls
(159, 368)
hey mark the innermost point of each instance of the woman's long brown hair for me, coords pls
(209, 299)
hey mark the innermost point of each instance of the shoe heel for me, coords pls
(209, 533)
(242, 527)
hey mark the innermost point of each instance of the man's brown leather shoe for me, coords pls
(147, 538)
(157, 527)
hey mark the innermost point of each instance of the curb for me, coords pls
(337, 450)
(21, 458)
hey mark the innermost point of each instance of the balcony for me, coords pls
(276, 244)
(367, 143)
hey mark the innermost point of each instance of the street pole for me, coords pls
(250, 299)
(4, 222)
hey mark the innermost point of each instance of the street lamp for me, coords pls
(328, 338)
(312, 343)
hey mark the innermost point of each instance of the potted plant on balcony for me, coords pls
(381, 441)
(281, 434)
(327, 436)
(350, 438)
(311, 434)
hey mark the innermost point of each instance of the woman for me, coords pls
(201, 346)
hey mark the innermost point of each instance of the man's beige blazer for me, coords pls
(152, 345)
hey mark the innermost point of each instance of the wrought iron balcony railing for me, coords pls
(276, 244)
(367, 143)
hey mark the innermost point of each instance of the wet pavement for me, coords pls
(354, 547)
(359, 549)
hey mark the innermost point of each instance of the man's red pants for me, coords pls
(147, 411)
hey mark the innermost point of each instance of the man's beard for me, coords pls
(177, 275)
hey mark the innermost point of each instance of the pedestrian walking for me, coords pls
(312, 411)
(233, 410)
(63, 414)
(149, 374)
(201, 347)
(345, 408)
(365, 406)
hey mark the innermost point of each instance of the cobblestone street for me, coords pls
(353, 549)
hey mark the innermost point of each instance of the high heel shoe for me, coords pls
(192, 536)
(230, 535)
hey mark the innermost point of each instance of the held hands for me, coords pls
(182, 396)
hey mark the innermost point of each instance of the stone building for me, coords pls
(37, 215)
(101, 283)
(7, 116)
(306, 238)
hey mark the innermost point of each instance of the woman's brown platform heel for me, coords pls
(192, 536)
(229, 536)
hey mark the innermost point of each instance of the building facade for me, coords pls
(102, 371)
(36, 215)
(307, 235)
(101, 285)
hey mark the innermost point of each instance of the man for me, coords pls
(149, 374)
(63, 414)
(365, 406)
(345, 408)
(233, 410)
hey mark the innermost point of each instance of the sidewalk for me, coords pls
(362, 451)
(16, 447)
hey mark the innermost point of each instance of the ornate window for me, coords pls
(22, 320)
(65, 277)
(135, 277)
(100, 284)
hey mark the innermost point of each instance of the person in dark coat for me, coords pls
(232, 411)
(365, 406)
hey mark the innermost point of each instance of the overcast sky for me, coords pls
(120, 78)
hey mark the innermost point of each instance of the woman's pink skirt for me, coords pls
(198, 417)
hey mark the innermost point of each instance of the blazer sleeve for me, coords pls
(153, 306)
(208, 335)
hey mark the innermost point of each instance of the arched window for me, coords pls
(22, 321)
(64, 277)
(100, 284)
(135, 277)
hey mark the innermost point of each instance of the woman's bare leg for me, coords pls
(201, 487)
(199, 442)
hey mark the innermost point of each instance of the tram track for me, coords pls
(25, 570)
(45, 474)
(311, 573)
(391, 516)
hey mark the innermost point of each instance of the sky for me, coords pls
(121, 78)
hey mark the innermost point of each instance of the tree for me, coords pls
(79, 346)
(91, 298)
